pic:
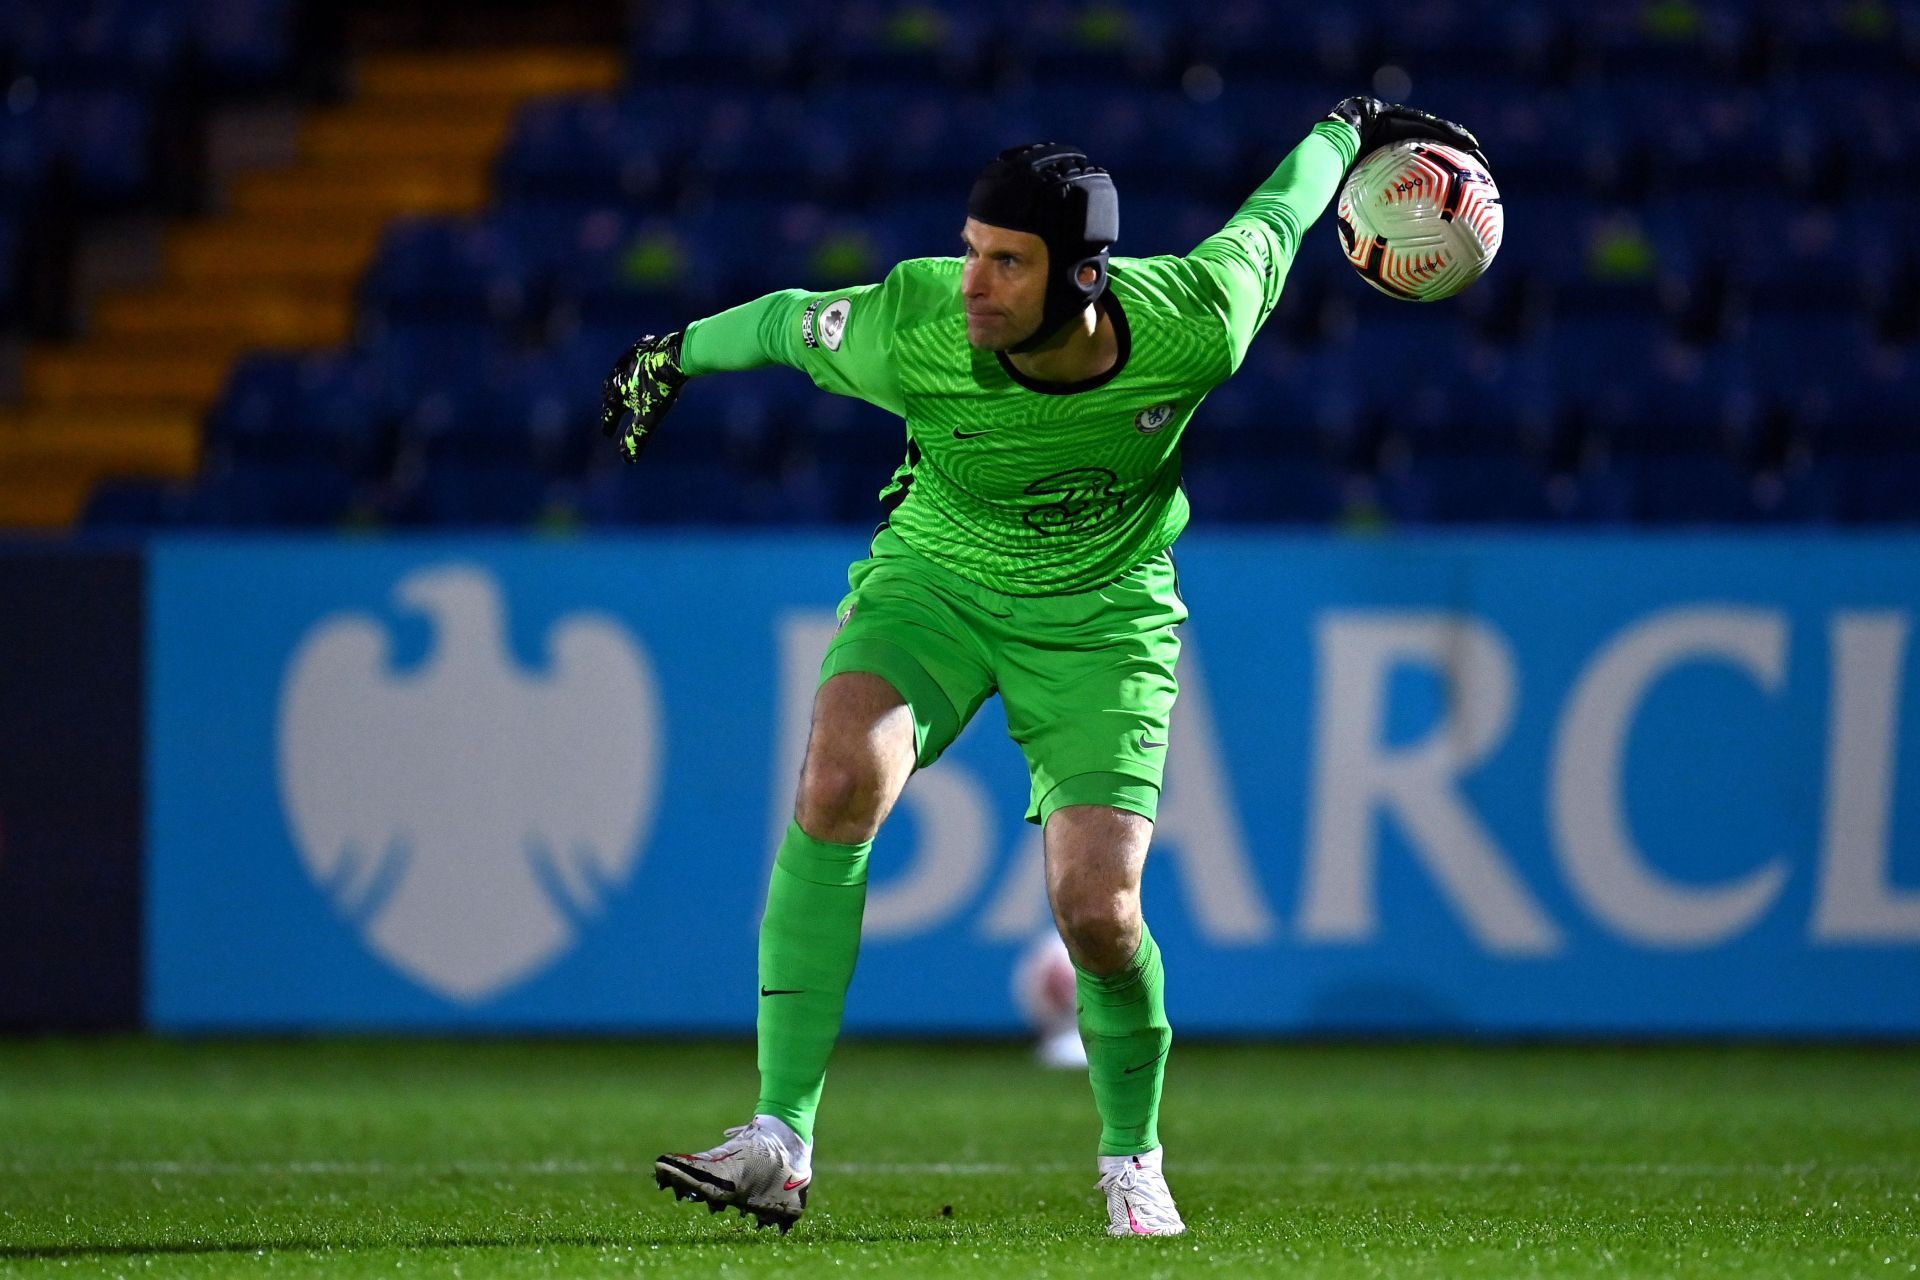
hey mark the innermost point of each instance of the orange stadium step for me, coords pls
(43, 497)
(246, 314)
(260, 250)
(140, 441)
(51, 459)
(120, 374)
(507, 73)
(385, 133)
(392, 189)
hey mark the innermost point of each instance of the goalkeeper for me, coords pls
(1045, 388)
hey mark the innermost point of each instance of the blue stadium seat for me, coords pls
(1277, 490)
(105, 135)
(1485, 488)
(1688, 489)
(263, 494)
(697, 42)
(26, 149)
(600, 149)
(244, 42)
(122, 44)
(460, 270)
(1879, 488)
(684, 492)
(772, 147)
(131, 504)
(463, 490)
(1840, 38)
(333, 407)
(903, 43)
(617, 265)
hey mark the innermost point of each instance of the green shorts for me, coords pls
(1086, 679)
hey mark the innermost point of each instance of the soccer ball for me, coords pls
(1420, 221)
(1043, 987)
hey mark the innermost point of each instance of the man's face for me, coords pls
(1004, 285)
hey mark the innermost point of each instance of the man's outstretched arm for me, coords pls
(841, 339)
(1248, 259)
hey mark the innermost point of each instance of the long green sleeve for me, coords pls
(1247, 260)
(842, 339)
(742, 337)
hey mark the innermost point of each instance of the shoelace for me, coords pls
(1155, 1210)
(766, 1140)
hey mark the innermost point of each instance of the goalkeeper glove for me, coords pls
(643, 384)
(1381, 124)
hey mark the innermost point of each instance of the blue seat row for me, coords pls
(1807, 136)
(614, 265)
(139, 44)
(1495, 488)
(101, 138)
(1150, 38)
(1398, 384)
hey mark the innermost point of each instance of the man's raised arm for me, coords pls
(1247, 260)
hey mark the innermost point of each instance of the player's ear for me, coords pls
(1088, 275)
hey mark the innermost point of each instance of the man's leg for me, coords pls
(860, 753)
(898, 683)
(1095, 854)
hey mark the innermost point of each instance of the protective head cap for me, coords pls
(1053, 192)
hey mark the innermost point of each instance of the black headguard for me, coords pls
(1053, 192)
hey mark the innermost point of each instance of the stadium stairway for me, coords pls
(277, 269)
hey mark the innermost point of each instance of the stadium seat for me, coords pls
(329, 408)
(459, 270)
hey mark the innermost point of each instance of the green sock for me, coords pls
(1123, 1020)
(809, 941)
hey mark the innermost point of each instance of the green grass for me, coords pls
(509, 1159)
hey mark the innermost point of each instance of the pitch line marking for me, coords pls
(587, 1168)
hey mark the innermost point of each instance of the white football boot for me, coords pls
(751, 1171)
(1138, 1201)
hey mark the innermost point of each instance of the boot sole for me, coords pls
(717, 1194)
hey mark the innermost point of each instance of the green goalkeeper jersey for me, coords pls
(1032, 488)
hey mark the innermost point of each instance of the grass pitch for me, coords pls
(148, 1158)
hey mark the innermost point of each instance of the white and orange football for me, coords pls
(1420, 221)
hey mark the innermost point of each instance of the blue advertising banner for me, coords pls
(1454, 785)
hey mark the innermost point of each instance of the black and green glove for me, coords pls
(639, 391)
(1382, 124)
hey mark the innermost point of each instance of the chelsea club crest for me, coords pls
(1151, 420)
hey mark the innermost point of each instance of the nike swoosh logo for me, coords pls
(958, 434)
(794, 1184)
(765, 991)
(1145, 741)
(1149, 1062)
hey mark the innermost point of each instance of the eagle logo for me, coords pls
(468, 816)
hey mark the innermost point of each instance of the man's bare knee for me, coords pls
(860, 752)
(1102, 931)
(1094, 858)
(839, 800)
